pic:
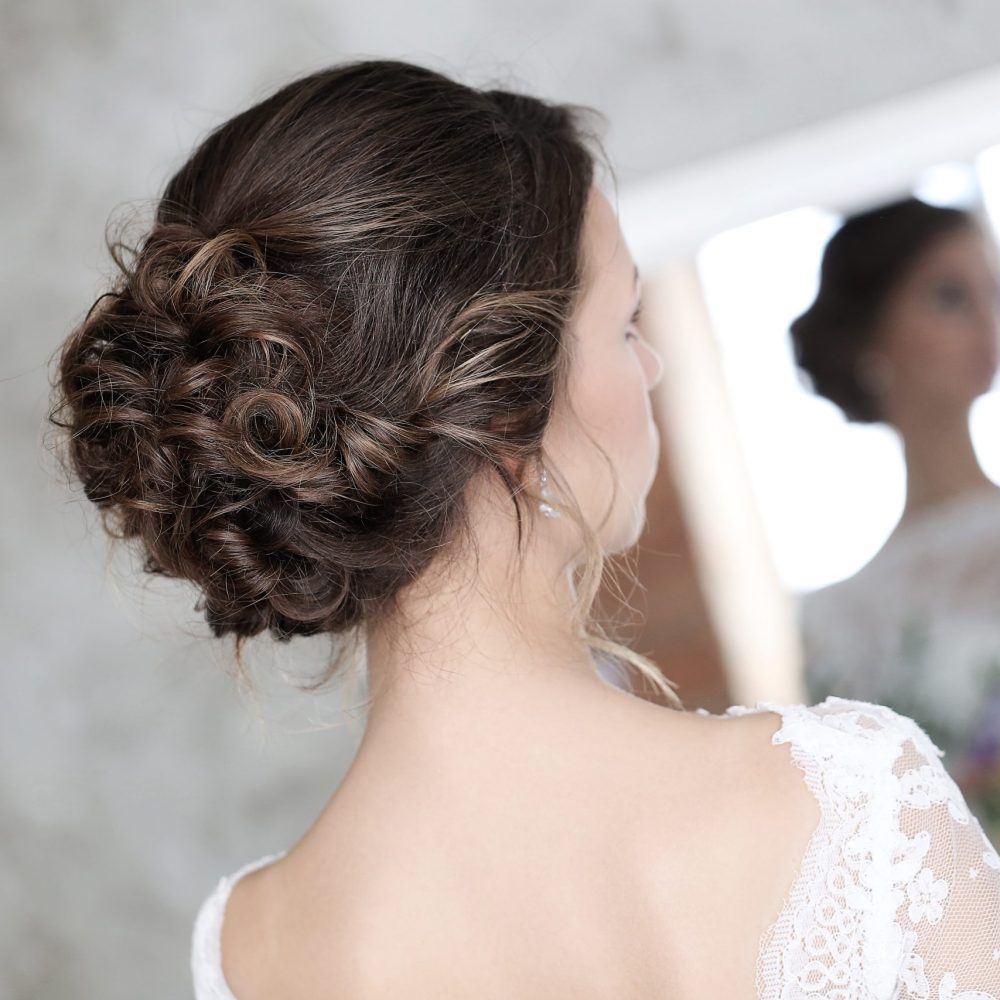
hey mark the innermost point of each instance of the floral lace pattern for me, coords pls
(898, 894)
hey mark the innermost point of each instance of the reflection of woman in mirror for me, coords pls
(903, 330)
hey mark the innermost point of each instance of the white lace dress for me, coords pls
(898, 892)
(918, 629)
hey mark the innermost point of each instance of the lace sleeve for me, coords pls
(945, 884)
(898, 897)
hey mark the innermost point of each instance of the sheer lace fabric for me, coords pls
(898, 891)
(898, 895)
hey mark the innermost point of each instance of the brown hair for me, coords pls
(863, 264)
(354, 296)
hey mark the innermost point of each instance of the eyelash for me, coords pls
(633, 321)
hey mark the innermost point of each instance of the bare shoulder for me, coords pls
(291, 934)
(733, 809)
(760, 776)
(734, 835)
(767, 813)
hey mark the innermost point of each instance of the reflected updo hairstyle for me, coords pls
(353, 297)
(862, 266)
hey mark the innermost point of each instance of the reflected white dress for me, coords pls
(918, 629)
(898, 891)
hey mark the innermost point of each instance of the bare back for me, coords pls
(651, 870)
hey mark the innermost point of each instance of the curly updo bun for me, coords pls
(352, 298)
(862, 266)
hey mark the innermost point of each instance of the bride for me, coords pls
(374, 372)
(903, 331)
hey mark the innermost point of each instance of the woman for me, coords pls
(374, 372)
(904, 330)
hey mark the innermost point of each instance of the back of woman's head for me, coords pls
(352, 299)
(863, 264)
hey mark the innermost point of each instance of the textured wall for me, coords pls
(131, 773)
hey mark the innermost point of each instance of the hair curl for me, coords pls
(353, 297)
(862, 265)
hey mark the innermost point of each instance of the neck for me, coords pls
(941, 463)
(481, 643)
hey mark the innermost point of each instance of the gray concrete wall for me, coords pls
(132, 773)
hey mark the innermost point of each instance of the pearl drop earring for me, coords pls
(545, 507)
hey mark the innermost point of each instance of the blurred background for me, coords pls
(133, 770)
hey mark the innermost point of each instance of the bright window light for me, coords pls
(950, 185)
(829, 492)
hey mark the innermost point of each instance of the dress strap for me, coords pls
(206, 939)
